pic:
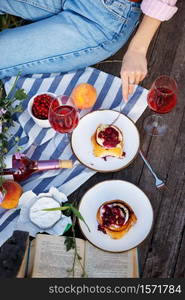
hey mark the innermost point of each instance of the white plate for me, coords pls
(112, 190)
(82, 147)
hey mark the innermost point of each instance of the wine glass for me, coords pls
(162, 98)
(63, 116)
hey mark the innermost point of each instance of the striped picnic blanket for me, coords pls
(67, 180)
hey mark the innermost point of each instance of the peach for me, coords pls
(13, 191)
(84, 95)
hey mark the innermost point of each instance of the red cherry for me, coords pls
(101, 134)
(121, 220)
(41, 106)
(108, 130)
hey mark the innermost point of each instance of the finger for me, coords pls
(125, 86)
(131, 82)
(131, 89)
(131, 78)
(138, 77)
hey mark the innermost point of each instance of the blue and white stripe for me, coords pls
(109, 97)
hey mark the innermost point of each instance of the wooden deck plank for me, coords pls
(162, 253)
(164, 153)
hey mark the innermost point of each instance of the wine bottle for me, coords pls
(19, 167)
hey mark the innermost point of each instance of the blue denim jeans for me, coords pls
(64, 35)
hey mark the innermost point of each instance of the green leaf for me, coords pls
(70, 243)
(6, 102)
(67, 227)
(13, 87)
(18, 108)
(20, 94)
(78, 215)
(56, 208)
(68, 211)
(79, 257)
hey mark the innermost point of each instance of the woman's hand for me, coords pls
(133, 70)
(134, 66)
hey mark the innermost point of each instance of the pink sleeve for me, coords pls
(159, 9)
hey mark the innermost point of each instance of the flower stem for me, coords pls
(76, 254)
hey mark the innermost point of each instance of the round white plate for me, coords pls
(82, 146)
(112, 190)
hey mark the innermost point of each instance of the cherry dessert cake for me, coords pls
(108, 141)
(115, 218)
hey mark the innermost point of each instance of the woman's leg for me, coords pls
(82, 34)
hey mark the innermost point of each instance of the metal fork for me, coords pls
(159, 183)
(119, 113)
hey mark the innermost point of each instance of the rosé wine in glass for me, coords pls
(162, 98)
(63, 117)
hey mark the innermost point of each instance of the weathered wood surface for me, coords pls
(162, 254)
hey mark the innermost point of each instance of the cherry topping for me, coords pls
(101, 134)
(113, 215)
(110, 137)
(100, 228)
(109, 130)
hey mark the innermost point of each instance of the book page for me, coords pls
(52, 260)
(135, 263)
(102, 264)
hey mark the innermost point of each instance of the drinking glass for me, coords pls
(162, 98)
(63, 116)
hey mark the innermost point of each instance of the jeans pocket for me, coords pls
(119, 9)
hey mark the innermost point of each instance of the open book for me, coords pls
(49, 259)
